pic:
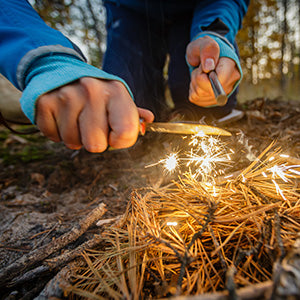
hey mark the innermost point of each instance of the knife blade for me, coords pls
(182, 128)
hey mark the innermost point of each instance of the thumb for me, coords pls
(145, 114)
(209, 54)
(204, 50)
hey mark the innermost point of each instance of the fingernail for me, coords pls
(209, 64)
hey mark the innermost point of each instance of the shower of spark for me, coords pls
(203, 159)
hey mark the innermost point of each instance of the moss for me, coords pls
(26, 154)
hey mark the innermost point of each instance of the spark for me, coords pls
(171, 162)
(278, 171)
(228, 176)
(172, 223)
(295, 171)
(243, 178)
(278, 189)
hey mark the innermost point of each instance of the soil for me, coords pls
(46, 188)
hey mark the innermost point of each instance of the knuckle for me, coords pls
(209, 45)
(44, 102)
(236, 75)
(88, 83)
(200, 77)
(128, 132)
(125, 136)
(64, 94)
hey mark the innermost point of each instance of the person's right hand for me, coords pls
(92, 113)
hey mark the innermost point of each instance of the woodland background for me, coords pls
(269, 41)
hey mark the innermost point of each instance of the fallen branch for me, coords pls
(60, 282)
(30, 259)
(253, 292)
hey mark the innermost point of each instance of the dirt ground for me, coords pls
(45, 188)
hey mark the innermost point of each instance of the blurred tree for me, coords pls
(81, 20)
(257, 40)
(269, 41)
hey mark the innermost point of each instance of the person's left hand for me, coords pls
(203, 54)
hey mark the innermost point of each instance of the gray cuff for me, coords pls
(215, 34)
(30, 56)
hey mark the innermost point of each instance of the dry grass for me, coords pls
(192, 237)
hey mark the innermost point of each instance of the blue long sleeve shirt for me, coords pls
(38, 59)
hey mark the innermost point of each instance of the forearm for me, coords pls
(36, 58)
(222, 17)
(50, 72)
(24, 37)
(219, 20)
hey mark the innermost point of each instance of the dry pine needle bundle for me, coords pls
(192, 236)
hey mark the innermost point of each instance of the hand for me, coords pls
(90, 112)
(203, 54)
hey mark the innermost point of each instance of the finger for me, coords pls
(201, 92)
(124, 133)
(124, 121)
(192, 53)
(209, 54)
(71, 104)
(93, 122)
(94, 128)
(200, 83)
(204, 51)
(228, 74)
(146, 115)
(45, 119)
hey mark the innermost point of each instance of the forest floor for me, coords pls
(45, 189)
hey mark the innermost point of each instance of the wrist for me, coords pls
(51, 72)
(226, 50)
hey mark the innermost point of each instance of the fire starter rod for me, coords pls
(220, 95)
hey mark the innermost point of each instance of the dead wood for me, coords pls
(56, 286)
(32, 258)
(56, 262)
(61, 260)
(258, 291)
(28, 276)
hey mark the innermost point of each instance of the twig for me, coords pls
(277, 227)
(71, 254)
(209, 218)
(34, 257)
(33, 292)
(217, 246)
(230, 284)
(56, 262)
(60, 282)
(29, 276)
(253, 292)
(186, 260)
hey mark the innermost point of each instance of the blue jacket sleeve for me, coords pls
(21, 31)
(221, 20)
(36, 58)
(230, 12)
